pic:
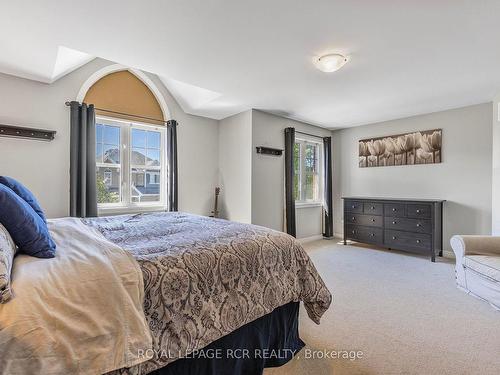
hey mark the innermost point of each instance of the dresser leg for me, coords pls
(433, 258)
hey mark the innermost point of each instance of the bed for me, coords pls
(148, 293)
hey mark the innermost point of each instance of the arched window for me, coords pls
(130, 151)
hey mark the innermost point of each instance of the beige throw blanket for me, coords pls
(79, 313)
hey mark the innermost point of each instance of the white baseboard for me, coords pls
(309, 239)
(448, 254)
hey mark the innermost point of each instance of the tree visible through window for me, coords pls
(307, 178)
(108, 163)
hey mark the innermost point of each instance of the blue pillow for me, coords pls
(27, 229)
(24, 193)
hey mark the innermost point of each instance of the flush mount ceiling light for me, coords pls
(330, 63)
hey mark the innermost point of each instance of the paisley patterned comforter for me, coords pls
(205, 277)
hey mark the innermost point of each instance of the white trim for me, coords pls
(310, 239)
(300, 204)
(113, 68)
(129, 210)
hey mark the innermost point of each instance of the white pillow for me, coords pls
(7, 251)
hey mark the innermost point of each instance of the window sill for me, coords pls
(110, 211)
(308, 204)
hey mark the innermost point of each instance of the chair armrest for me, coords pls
(475, 245)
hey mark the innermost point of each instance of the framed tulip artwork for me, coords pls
(421, 147)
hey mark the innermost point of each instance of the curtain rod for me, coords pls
(125, 114)
(311, 135)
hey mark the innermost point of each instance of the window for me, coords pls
(108, 163)
(308, 173)
(108, 178)
(129, 160)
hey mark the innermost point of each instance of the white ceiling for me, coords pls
(220, 57)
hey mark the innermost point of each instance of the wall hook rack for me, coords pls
(28, 133)
(269, 151)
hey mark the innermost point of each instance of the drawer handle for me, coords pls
(353, 231)
(418, 211)
(394, 210)
(353, 206)
(393, 237)
(373, 220)
(372, 234)
(394, 222)
(372, 207)
(418, 225)
(353, 218)
(418, 241)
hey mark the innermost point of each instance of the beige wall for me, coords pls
(464, 177)
(44, 166)
(268, 175)
(495, 196)
(235, 167)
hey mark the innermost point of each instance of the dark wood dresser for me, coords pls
(414, 225)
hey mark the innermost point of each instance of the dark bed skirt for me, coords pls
(269, 341)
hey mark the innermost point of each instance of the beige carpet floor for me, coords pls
(402, 311)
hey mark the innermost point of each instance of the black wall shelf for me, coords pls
(269, 151)
(28, 133)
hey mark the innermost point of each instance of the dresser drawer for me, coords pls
(394, 209)
(405, 240)
(360, 219)
(409, 225)
(364, 234)
(353, 206)
(373, 208)
(419, 210)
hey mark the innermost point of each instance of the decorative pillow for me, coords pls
(7, 252)
(28, 230)
(24, 193)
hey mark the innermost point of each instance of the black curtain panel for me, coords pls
(327, 152)
(83, 190)
(172, 165)
(289, 171)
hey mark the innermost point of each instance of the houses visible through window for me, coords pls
(307, 172)
(129, 161)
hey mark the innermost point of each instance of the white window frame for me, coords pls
(302, 202)
(126, 204)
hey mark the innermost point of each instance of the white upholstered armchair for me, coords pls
(478, 266)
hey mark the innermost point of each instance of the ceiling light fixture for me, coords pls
(330, 63)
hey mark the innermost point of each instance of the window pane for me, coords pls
(145, 185)
(309, 187)
(98, 153)
(138, 138)
(111, 154)
(138, 156)
(153, 139)
(310, 158)
(108, 185)
(153, 157)
(111, 135)
(98, 133)
(296, 167)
